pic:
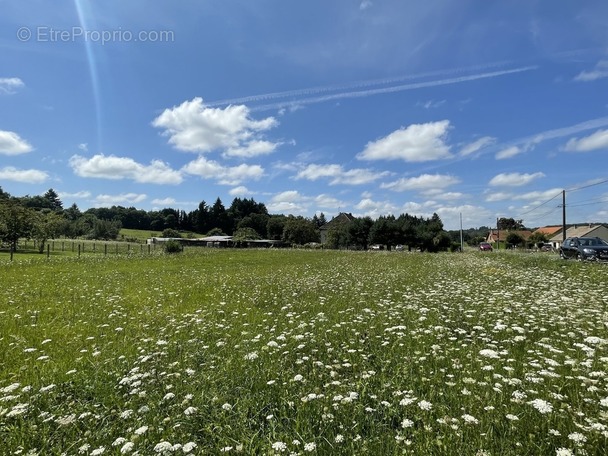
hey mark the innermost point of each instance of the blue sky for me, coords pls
(473, 108)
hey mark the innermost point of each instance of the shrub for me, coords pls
(173, 247)
(171, 233)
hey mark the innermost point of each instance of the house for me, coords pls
(501, 235)
(342, 218)
(585, 230)
(550, 232)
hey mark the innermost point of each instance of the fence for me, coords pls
(79, 247)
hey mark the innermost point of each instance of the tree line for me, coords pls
(43, 217)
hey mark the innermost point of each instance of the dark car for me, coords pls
(584, 248)
(485, 246)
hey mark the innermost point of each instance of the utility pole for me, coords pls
(497, 235)
(563, 216)
(461, 238)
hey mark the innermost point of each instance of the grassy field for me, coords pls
(298, 352)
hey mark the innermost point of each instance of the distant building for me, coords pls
(501, 235)
(585, 230)
(343, 218)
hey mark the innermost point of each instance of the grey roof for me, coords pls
(577, 231)
(215, 239)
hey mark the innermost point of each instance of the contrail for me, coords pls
(307, 96)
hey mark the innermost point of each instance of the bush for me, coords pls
(173, 247)
(170, 233)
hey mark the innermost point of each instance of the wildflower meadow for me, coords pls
(275, 352)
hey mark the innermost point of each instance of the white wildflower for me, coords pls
(541, 405)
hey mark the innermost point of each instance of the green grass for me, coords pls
(332, 352)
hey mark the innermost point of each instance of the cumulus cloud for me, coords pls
(121, 199)
(116, 168)
(79, 195)
(290, 201)
(422, 182)
(241, 190)
(194, 127)
(415, 143)
(227, 175)
(509, 152)
(514, 179)
(599, 72)
(12, 144)
(252, 149)
(498, 196)
(338, 175)
(375, 209)
(27, 176)
(164, 201)
(477, 145)
(9, 86)
(596, 141)
(328, 202)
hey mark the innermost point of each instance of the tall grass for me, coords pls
(279, 352)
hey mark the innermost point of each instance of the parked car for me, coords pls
(485, 247)
(584, 248)
(546, 247)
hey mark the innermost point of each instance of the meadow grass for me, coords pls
(297, 352)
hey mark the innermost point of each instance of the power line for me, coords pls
(540, 205)
(588, 203)
(543, 215)
(586, 186)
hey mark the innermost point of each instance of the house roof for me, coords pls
(549, 230)
(577, 231)
(502, 234)
(340, 219)
(215, 239)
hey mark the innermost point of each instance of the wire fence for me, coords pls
(79, 247)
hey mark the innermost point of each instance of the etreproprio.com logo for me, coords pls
(46, 34)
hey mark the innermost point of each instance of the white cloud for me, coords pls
(164, 201)
(498, 196)
(234, 175)
(599, 72)
(194, 127)
(338, 175)
(123, 198)
(12, 144)
(84, 147)
(416, 143)
(328, 202)
(8, 86)
(477, 145)
(596, 141)
(431, 104)
(27, 176)
(252, 149)
(422, 182)
(375, 209)
(116, 168)
(239, 191)
(514, 179)
(540, 196)
(365, 4)
(509, 152)
(79, 195)
(290, 201)
(471, 216)
(445, 196)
